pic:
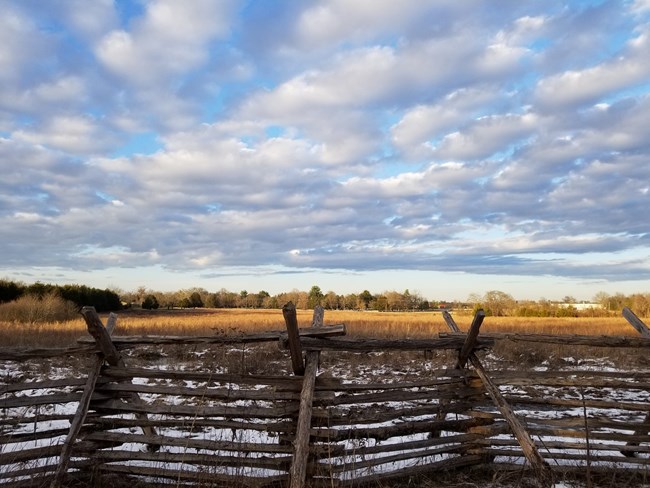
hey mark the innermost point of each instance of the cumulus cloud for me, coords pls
(169, 39)
(72, 133)
(349, 135)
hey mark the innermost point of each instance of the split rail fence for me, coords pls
(204, 428)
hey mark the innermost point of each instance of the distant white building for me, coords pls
(581, 306)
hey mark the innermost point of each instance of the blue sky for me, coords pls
(441, 146)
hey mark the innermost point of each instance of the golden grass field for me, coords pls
(358, 323)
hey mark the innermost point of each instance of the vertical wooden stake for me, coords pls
(112, 356)
(521, 434)
(291, 320)
(470, 340)
(298, 471)
(318, 317)
(77, 421)
(642, 329)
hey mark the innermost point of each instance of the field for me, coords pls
(359, 324)
(376, 367)
(389, 325)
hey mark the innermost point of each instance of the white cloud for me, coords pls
(71, 133)
(424, 122)
(20, 44)
(355, 135)
(486, 136)
(93, 19)
(169, 40)
(334, 21)
(575, 87)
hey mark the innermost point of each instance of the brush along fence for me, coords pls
(164, 421)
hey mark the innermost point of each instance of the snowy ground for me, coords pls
(374, 367)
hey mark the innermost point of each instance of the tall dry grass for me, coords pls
(239, 321)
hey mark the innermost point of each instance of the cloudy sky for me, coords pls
(448, 147)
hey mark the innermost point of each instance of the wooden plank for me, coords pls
(77, 422)
(186, 442)
(568, 339)
(197, 410)
(126, 342)
(224, 394)
(364, 462)
(563, 445)
(642, 329)
(396, 430)
(29, 401)
(395, 396)
(409, 445)
(30, 454)
(22, 437)
(470, 340)
(291, 321)
(525, 441)
(527, 445)
(277, 462)
(82, 409)
(41, 385)
(318, 317)
(287, 382)
(199, 478)
(370, 345)
(23, 353)
(106, 423)
(103, 340)
(298, 471)
(381, 479)
(575, 457)
(636, 322)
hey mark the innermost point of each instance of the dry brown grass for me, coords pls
(359, 324)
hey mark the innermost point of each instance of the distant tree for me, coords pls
(365, 297)
(39, 289)
(332, 301)
(603, 299)
(315, 297)
(382, 303)
(10, 291)
(394, 301)
(498, 303)
(195, 300)
(262, 297)
(150, 302)
(350, 301)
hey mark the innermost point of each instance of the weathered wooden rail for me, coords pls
(201, 427)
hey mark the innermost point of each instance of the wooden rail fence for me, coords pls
(217, 428)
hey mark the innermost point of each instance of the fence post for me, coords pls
(642, 329)
(521, 434)
(112, 357)
(291, 320)
(298, 471)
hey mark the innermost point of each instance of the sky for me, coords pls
(445, 147)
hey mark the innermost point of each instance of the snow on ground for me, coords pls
(380, 369)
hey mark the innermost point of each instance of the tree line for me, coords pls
(494, 302)
(80, 295)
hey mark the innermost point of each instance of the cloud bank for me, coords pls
(323, 135)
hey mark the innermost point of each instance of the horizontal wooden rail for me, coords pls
(569, 340)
